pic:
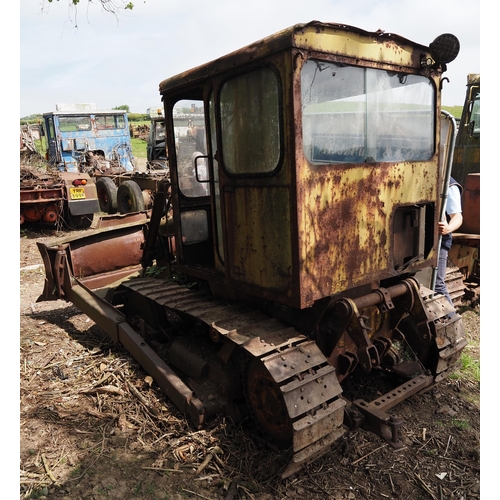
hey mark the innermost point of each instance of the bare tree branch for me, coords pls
(110, 6)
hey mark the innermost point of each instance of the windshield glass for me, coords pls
(74, 123)
(160, 131)
(356, 115)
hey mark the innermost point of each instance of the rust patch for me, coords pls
(347, 215)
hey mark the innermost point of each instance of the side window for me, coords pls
(251, 122)
(160, 131)
(191, 148)
(120, 121)
(194, 227)
(475, 117)
(100, 122)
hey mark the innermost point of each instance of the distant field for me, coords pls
(455, 111)
(139, 148)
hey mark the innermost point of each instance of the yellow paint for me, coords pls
(350, 44)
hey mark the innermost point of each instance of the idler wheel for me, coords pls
(266, 403)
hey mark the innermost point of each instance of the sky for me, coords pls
(94, 57)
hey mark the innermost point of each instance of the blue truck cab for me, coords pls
(88, 140)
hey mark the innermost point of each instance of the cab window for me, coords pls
(251, 123)
(109, 122)
(191, 149)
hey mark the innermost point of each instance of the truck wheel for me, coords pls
(107, 195)
(130, 197)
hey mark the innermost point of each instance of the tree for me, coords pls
(111, 6)
(124, 107)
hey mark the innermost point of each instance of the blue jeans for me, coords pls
(441, 274)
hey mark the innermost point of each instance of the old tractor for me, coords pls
(278, 265)
(464, 253)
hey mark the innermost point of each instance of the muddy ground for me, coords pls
(94, 426)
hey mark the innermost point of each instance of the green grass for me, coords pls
(470, 366)
(469, 369)
(139, 148)
(461, 424)
(455, 111)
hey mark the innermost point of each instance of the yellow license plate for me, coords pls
(77, 193)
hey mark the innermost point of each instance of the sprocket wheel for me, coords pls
(266, 404)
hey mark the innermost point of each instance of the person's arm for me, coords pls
(454, 223)
(454, 211)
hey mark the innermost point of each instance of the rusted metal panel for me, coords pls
(471, 205)
(100, 255)
(100, 251)
(41, 195)
(259, 242)
(116, 220)
(345, 221)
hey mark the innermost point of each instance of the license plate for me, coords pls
(77, 193)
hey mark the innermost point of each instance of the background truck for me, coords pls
(47, 195)
(157, 152)
(464, 253)
(274, 283)
(86, 140)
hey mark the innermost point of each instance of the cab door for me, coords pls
(196, 192)
(54, 155)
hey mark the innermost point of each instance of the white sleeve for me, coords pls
(453, 203)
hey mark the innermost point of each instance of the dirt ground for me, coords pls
(94, 426)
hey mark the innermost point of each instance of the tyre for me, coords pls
(130, 197)
(107, 193)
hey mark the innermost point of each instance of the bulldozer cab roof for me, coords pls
(293, 37)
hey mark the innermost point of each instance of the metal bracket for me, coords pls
(381, 423)
(386, 304)
(373, 417)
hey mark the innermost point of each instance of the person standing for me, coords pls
(453, 220)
